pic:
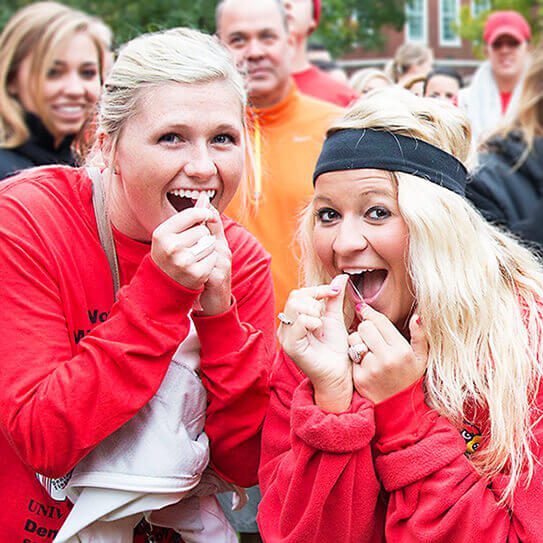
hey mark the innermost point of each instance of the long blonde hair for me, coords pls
(39, 30)
(478, 291)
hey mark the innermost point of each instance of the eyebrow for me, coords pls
(174, 125)
(64, 63)
(237, 34)
(379, 192)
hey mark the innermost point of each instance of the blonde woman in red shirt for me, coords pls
(409, 410)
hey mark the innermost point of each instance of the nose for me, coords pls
(254, 49)
(200, 164)
(350, 238)
(74, 85)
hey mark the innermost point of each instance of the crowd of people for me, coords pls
(246, 298)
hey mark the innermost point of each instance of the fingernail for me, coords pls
(360, 307)
(418, 321)
(336, 287)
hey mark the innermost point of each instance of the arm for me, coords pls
(435, 493)
(57, 404)
(316, 474)
(237, 350)
(494, 190)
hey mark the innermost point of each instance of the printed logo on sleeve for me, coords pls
(472, 436)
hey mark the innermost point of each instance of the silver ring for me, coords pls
(356, 351)
(284, 319)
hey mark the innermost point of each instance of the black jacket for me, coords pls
(39, 150)
(507, 194)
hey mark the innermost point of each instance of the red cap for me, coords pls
(317, 11)
(509, 23)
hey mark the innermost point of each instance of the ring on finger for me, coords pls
(284, 319)
(357, 351)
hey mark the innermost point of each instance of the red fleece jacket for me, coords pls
(76, 366)
(320, 473)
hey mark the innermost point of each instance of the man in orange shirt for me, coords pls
(287, 130)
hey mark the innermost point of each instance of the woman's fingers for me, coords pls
(333, 306)
(371, 336)
(357, 348)
(418, 341)
(309, 300)
(290, 335)
(184, 220)
(386, 328)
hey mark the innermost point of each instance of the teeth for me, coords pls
(71, 109)
(192, 194)
(356, 271)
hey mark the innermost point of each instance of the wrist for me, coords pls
(213, 305)
(335, 398)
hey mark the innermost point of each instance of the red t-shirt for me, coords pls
(505, 98)
(319, 84)
(76, 366)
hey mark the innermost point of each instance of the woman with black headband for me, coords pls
(406, 403)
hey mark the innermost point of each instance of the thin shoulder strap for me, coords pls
(104, 225)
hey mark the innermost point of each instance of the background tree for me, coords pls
(129, 18)
(471, 27)
(344, 23)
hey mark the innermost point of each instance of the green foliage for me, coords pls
(128, 18)
(344, 23)
(471, 28)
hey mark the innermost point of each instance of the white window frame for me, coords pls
(424, 39)
(456, 42)
(475, 11)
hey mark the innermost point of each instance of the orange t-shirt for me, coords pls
(286, 142)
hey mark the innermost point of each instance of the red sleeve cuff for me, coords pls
(403, 418)
(331, 432)
(221, 334)
(156, 294)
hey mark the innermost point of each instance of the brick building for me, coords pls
(427, 22)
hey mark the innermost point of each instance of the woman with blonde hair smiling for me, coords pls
(51, 60)
(409, 410)
(137, 319)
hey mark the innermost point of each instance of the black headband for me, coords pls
(352, 149)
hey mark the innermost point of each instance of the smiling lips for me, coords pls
(182, 199)
(72, 112)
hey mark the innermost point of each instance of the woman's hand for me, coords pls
(217, 295)
(317, 342)
(391, 363)
(183, 247)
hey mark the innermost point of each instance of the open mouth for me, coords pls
(182, 199)
(368, 282)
